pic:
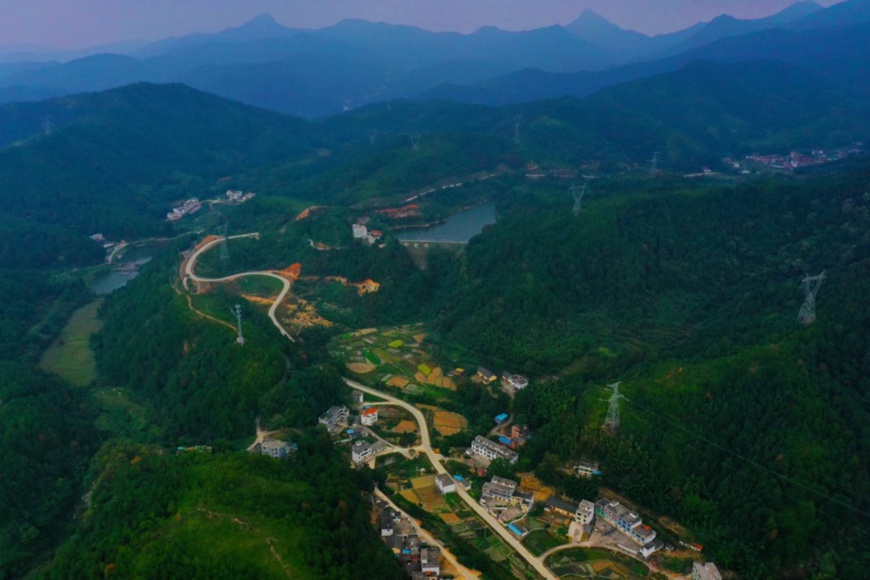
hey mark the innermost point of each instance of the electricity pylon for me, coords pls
(517, 122)
(415, 141)
(810, 285)
(225, 251)
(578, 193)
(612, 420)
(237, 312)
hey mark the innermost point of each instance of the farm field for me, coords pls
(70, 356)
(397, 357)
(592, 563)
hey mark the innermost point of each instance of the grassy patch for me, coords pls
(540, 541)
(70, 356)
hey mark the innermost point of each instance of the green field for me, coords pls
(540, 541)
(265, 286)
(71, 356)
(595, 563)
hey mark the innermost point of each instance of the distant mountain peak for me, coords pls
(594, 28)
(264, 20)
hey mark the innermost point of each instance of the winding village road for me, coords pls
(191, 264)
(425, 441)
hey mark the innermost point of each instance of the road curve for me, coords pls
(435, 459)
(191, 264)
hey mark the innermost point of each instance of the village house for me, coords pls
(274, 448)
(516, 382)
(430, 561)
(585, 513)
(359, 231)
(586, 469)
(335, 418)
(361, 451)
(369, 416)
(499, 488)
(624, 520)
(560, 506)
(705, 571)
(445, 484)
(483, 447)
(486, 375)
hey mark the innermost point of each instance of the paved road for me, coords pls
(191, 264)
(432, 540)
(436, 459)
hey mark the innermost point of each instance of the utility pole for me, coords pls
(578, 193)
(237, 312)
(612, 420)
(225, 251)
(810, 285)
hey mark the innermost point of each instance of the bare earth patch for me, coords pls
(400, 382)
(361, 368)
(447, 423)
(405, 426)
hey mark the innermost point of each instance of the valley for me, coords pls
(566, 302)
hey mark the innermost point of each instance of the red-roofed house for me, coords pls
(369, 416)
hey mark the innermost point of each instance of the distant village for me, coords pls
(795, 160)
(193, 204)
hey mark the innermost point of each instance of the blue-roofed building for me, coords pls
(518, 530)
(501, 418)
(504, 440)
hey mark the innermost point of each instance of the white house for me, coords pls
(483, 447)
(359, 232)
(430, 561)
(445, 484)
(361, 451)
(274, 448)
(705, 571)
(585, 512)
(334, 418)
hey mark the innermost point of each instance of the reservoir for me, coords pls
(458, 228)
(108, 282)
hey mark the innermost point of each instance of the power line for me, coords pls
(752, 462)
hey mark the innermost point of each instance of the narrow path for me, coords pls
(436, 460)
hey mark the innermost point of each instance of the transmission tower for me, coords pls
(612, 420)
(517, 122)
(415, 141)
(810, 285)
(578, 193)
(47, 126)
(225, 251)
(237, 312)
(373, 136)
(654, 164)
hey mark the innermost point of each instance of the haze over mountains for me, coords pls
(313, 73)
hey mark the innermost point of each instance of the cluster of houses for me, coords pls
(400, 535)
(516, 438)
(615, 514)
(192, 205)
(796, 160)
(509, 380)
(361, 232)
(335, 418)
(238, 196)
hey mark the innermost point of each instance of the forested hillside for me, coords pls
(150, 514)
(741, 422)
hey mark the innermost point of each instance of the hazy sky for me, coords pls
(78, 23)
